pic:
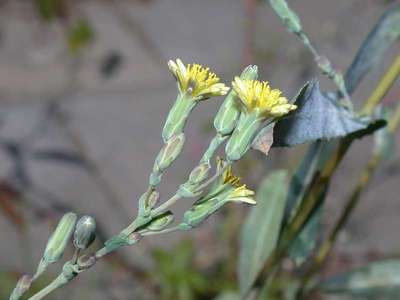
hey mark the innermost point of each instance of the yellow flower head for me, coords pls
(258, 96)
(240, 193)
(197, 80)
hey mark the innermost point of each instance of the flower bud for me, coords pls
(23, 285)
(200, 212)
(228, 114)
(161, 222)
(85, 232)
(58, 241)
(191, 187)
(147, 202)
(169, 152)
(242, 137)
(287, 15)
(199, 173)
(178, 116)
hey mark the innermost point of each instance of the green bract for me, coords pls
(243, 136)
(177, 116)
(228, 114)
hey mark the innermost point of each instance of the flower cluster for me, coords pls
(258, 96)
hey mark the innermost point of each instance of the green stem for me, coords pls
(171, 201)
(55, 284)
(212, 147)
(168, 230)
(383, 87)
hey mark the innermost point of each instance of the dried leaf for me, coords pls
(264, 139)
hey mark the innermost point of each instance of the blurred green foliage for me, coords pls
(49, 9)
(80, 34)
(177, 275)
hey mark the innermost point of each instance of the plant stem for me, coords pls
(55, 284)
(383, 87)
(168, 230)
(212, 147)
(394, 121)
(171, 201)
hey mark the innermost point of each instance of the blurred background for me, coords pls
(84, 90)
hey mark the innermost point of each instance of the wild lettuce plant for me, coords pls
(248, 107)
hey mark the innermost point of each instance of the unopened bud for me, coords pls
(85, 232)
(58, 241)
(147, 202)
(191, 187)
(169, 152)
(199, 173)
(200, 212)
(287, 15)
(161, 222)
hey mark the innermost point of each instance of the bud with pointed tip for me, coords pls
(85, 232)
(57, 242)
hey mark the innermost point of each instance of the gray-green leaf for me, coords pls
(316, 117)
(385, 32)
(261, 230)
